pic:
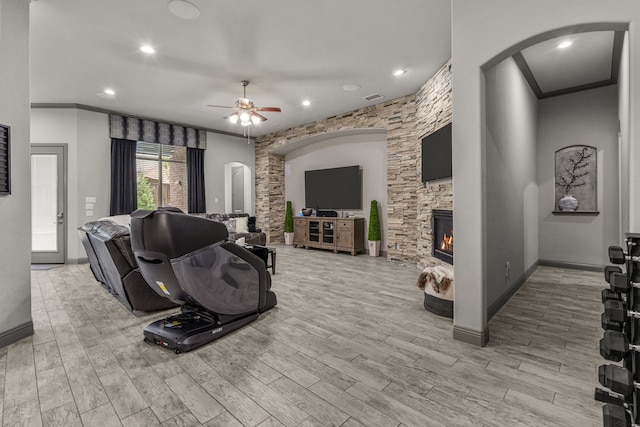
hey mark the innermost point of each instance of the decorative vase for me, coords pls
(288, 239)
(374, 247)
(568, 203)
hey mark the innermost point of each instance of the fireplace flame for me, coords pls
(447, 243)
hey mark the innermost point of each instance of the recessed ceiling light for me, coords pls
(565, 44)
(350, 87)
(109, 91)
(399, 72)
(147, 49)
(183, 9)
(306, 102)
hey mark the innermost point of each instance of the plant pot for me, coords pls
(374, 247)
(288, 239)
(568, 203)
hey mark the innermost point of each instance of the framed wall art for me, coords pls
(576, 180)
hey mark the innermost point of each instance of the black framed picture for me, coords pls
(5, 160)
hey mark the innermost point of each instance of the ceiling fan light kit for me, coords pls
(245, 110)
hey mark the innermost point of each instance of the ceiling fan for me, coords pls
(245, 111)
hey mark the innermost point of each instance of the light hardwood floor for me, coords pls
(349, 344)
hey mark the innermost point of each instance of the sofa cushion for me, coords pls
(251, 224)
(230, 224)
(242, 224)
(118, 219)
(218, 217)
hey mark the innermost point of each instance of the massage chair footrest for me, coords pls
(184, 332)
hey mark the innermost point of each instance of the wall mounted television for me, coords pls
(337, 188)
(436, 155)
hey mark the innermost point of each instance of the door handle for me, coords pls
(60, 217)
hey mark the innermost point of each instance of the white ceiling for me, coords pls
(591, 60)
(289, 50)
(587, 60)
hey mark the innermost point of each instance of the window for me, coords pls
(162, 175)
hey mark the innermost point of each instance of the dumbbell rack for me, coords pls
(621, 341)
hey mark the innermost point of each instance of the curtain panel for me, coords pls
(195, 180)
(131, 128)
(124, 198)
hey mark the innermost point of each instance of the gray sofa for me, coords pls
(254, 236)
(113, 264)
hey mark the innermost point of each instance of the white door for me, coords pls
(48, 218)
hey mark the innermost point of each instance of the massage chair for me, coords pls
(219, 285)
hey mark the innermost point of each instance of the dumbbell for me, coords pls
(617, 411)
(618, 256)
(607, 294)
(620, 283)
(610, 325)
(608, 396)
(616, 416)
(610, 269)
(617, 311)
(615, 346)
(617, 379)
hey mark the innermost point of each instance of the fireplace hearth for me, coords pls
(442, 234)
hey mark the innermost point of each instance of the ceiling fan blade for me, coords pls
(260, 116)
(219, 106)
(271, 109)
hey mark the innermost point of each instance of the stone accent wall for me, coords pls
(434, 111)
(406, 120)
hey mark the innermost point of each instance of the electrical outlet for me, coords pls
(507, 269)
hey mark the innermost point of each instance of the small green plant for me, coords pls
(145, 193)
(288, 218)
(374, 222)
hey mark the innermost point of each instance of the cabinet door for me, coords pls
(313, 233)
(328, 233)
(299, 231)
(344, 234)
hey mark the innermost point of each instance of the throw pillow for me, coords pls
(230, 224)
(252, 224)
(242, 224)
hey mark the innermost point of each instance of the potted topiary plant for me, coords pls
(288, 224)
(374, 230)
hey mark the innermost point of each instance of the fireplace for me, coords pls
(442, 234)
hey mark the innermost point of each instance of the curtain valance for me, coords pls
(131, 128)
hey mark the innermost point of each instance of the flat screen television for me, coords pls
(337, 188)
(436, 155)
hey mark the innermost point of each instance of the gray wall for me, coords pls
(369, 151)
(15, 209)
(86, 134)
(511, 187)
(624, 139)
(484, 33)
(582, 118)
(222, 149)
